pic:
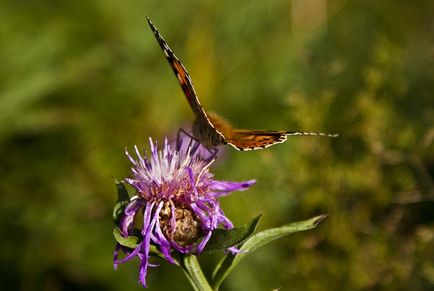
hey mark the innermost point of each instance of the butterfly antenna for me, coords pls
(312, 133)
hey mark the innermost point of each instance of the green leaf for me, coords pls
(118, 209)
(229, 262)
(123, 200)
(122, 192)
(222, 239)
(130, 241)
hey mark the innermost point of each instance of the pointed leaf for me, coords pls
(123, 200)
(122, 192)
(229, 262)
(222, 239)
(130, 241)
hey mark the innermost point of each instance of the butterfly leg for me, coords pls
(212, 151)
(179, 138)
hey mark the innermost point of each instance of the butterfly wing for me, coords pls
(180, 72)
(245, 140)
(207, 128)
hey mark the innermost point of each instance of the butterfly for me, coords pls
(212, 130)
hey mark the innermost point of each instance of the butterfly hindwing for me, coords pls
(245, 140)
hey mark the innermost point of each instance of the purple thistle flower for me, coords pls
(177, 197)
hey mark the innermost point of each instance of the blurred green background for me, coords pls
(82, 80)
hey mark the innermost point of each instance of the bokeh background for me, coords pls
(82, 80)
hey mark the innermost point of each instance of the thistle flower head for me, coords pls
(176, 201)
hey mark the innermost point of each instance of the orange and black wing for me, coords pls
(245, 140)
(186, 83)
(181, 74)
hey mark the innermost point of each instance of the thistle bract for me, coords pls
(175, 206)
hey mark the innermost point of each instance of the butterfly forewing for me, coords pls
(206, 128)
(180, 72)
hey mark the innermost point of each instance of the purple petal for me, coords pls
(235, 250)
(224, 220)
(147, 218)
(130, 211)
(129, 256)
(182, 249)
(148, 225)
(115, 256)
(172, 218)
(224, 187)
(162, 241)
(141, 160)
(205, 220)
(204, 242)
(192, 182)
(129, 157)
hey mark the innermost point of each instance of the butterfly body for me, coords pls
(209, 136)
(209, 128)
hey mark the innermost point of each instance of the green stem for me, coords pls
(194, 273)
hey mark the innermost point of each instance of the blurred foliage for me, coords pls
(79, 81)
